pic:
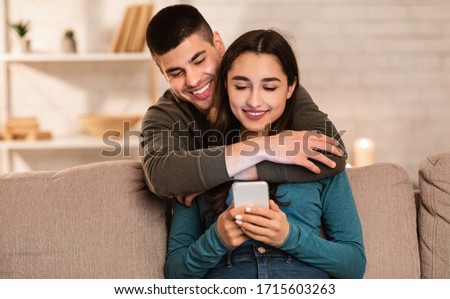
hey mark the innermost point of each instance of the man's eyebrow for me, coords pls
(196, 55)
(268, 79)
(176, 69)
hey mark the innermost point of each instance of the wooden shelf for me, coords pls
(75, 142)
(78, 57)
(82, 143)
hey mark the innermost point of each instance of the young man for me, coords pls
(177, 160)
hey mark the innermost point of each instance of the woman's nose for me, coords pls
(254, 99)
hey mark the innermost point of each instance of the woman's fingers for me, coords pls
(266, 225)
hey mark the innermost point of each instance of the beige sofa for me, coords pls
(100, 221)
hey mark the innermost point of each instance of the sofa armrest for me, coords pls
(385, 201)
(434, 215)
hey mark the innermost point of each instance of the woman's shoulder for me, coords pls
(299, 188)
(342, 176)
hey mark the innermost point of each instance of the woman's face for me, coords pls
(258, 89)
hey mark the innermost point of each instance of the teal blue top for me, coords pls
(195, 247)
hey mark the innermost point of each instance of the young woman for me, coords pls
(213, 239)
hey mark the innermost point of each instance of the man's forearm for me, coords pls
(185, 172)
(241, 157)
(250, 174)
(288, 147)
(280, 173)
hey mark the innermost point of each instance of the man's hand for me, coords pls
(287, 147)
(300, 147)
(187, 200)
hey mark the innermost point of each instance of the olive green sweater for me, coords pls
(177, 161)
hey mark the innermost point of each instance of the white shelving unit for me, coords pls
(80, 145)
(90, 149)
(82, 57)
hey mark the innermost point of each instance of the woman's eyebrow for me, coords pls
(243, 78)
(269, 79)
(240, 78)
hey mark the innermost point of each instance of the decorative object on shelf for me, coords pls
(130, 34)
(22, 28)
(68, 43)
(24, 128)
(363, 152)
(115, 125)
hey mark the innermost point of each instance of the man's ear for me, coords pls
(291, 88)
(218, 43)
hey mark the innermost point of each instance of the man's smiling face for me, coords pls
(191, 69)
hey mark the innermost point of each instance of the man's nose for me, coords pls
(192, 78)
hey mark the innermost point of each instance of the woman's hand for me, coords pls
(229, 231)
(269, 226)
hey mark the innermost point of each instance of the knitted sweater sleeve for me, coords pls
(341, 254)
(192, 250)
(174, 160)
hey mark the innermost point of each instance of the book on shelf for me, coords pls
(23, 128)
(130, 34)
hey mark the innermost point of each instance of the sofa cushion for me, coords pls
(434, 215)
(384, 198)
(92, 221)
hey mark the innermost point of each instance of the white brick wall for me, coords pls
(379, 68)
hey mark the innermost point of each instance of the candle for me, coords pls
(363, 152)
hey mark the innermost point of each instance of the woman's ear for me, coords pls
(291, 88)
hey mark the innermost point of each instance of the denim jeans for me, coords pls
(262, 261)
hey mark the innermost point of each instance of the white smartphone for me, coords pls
(255, 193)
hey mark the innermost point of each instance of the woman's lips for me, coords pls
(254, 115)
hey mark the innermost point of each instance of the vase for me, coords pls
(23, 45)
(68, 45)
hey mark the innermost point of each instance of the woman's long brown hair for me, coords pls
(225, 126)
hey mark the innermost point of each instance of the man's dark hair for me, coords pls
(172, 25)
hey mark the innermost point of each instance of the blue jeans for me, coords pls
(262, 261)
